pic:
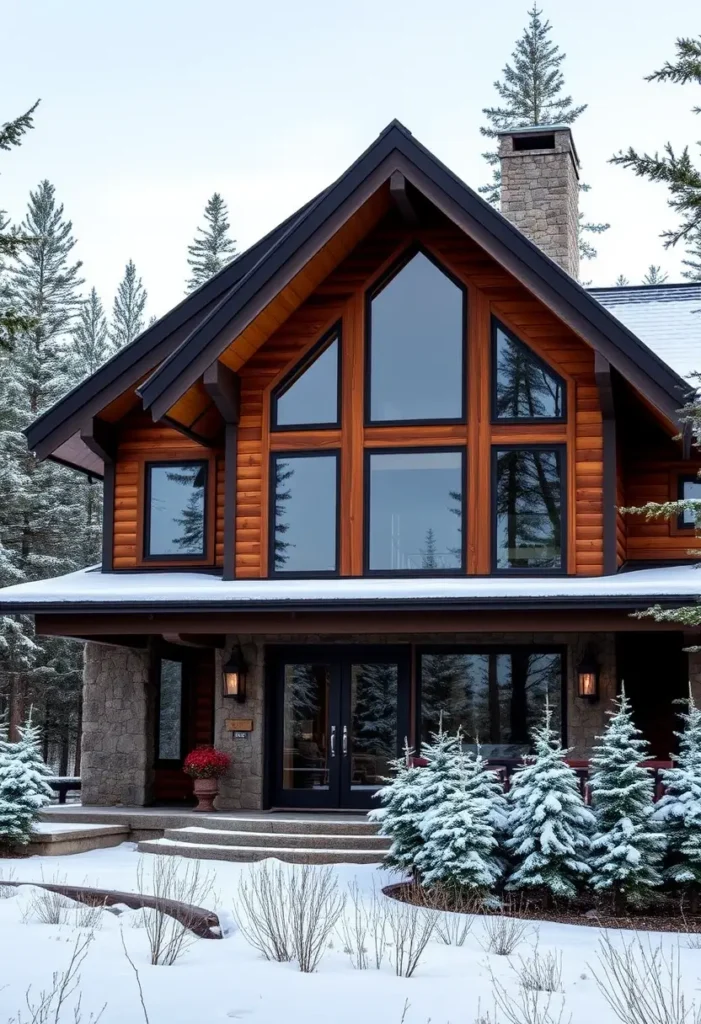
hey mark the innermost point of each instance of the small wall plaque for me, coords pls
(239, 724)
(238, 735)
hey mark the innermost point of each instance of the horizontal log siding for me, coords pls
(140, 440)
(340, 296)
(656, 480)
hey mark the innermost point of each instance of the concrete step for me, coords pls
(291, 840)
(159, 819)
(292, 855)
(327, 826)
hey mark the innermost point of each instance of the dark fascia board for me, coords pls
(489, 228)
(59, 422)
(93, 608)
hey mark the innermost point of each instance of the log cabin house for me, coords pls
(371, 474)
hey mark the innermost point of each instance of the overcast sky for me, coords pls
(148, 107)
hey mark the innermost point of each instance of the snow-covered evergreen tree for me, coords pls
(679, 810)
(24, 790)
(89, 347)
(459, 842)
(128, 309)
(628, 845)
(213, 246)
(484, 786)
(403, 807)
(655, 275)
(549, 824)
(531, 93)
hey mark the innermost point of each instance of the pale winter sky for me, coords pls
(150, 106)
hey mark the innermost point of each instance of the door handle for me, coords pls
(333, 741)
(345, 740)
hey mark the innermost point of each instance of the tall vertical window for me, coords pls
(175, 510)
(304, 494)
(529, 520)
(310, 396)
(523, 386)
(689, 487)
(414, 511)
(170, 710)
(494, 697)
(416, 336)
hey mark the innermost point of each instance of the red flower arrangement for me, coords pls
(206, 763)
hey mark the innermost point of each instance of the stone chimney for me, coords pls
(540, 189)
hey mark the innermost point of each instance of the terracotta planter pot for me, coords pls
(205, 791)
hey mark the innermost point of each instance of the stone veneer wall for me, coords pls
(118, 727)
(242, 786)
(540, 195)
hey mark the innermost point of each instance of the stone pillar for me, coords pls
(586, 721)
(242, 786)
(118, 727)
(540, 189)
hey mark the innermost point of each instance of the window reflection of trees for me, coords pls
(495, 698)
(525, 389)
(283, 493)
(528, 509)
(190, 519)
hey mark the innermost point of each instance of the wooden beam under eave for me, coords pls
(400, 198)
(100, 437)
(224, 388)
(602, 373)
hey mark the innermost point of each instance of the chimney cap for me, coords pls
(535, 129)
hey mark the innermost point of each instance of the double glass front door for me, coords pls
(342, 715)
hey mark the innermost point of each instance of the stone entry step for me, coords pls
(302, 854)
(278, 840)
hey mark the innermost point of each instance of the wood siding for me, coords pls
(342, 297)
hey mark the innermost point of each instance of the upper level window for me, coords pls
(528, 527)
(175, 510)
(310, 396)
(416, 342)
(304, 494)
(689, 487)
(414, 517)
(523, 387)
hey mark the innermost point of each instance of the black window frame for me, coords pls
(179, 557)
(461, 450)
(684, 478)
(157, 660)
(498, 325)
(310, 574)
(311, 355)
(495, 649)
(370, 295)
(561, 448)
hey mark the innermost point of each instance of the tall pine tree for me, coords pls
(213, 246)
(531, 92)
(679, 810)
(628, 845)
(40, 512)
(11, 319)
(128, 309)
(90, 345)
(676, 169)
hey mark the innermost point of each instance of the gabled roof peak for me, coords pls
(395, 123)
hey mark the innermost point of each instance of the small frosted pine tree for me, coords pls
(402, 808)
(24, 789)
(484, 785)
(459, 843)
(549, 824)
(628, 846)
(679, 810)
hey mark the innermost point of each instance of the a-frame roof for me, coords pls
(191, 337)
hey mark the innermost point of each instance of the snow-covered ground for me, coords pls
(227, 980)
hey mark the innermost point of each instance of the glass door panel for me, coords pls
(309, 736)
(370, 737)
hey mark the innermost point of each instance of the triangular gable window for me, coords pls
(523, 386)
(310, 395)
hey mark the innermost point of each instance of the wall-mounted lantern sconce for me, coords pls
(234, 676)
(588, 677)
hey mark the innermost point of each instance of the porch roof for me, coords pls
(91, 590)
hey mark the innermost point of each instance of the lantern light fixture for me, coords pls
(588, 677)
(234, 676)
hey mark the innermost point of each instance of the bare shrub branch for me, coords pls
(541, 972)
(315, 908)
(48, 1007)
(502, 933)
(355, 926)
(136, 975)
(455, 912)
(411, 929)
(642, 983)
(527, 1005)
(171, 878)
(262, 911)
